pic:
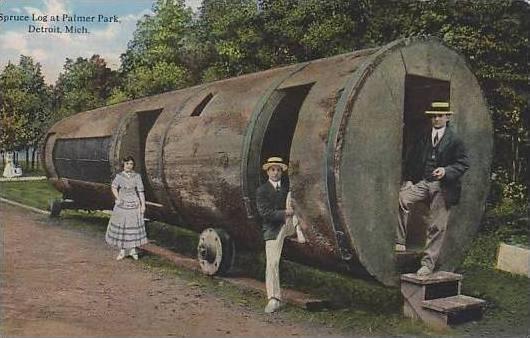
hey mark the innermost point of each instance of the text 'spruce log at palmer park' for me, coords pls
(67, 18)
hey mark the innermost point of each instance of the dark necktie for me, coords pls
(277, 188)
(435, 139)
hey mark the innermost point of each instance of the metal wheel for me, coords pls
(215, 252)
(55, 207)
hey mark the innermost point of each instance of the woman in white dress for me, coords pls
(126, 229)
(10, 170)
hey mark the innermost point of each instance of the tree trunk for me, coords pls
(27, 158)
(514, 159)
(33, 158)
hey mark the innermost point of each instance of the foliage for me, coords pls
(163, 76)
(515, 194)
(242, 37)
(499, 56)
(507, 196)
(506, 220)
(24, 104)
(85, 84)
(505, 223)
(155, 57)
(231, 33)
(297, 31)
(117, 95)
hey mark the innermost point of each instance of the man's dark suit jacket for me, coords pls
(451, 155)
(271, 208)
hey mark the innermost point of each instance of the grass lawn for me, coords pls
(33, 193)
(368, 308)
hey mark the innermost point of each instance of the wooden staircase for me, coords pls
(436, 299)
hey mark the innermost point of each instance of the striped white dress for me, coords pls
(126, 227)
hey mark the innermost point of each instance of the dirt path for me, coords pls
(63, 282)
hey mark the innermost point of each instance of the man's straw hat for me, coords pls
(271, 161)
(439, 107)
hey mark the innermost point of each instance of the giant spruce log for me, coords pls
(343, 123)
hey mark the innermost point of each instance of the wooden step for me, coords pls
(436, 299)
(444, 312)
(434, 278)
(453, 304)
(440, 284)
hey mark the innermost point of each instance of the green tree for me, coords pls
(301, 30)
(162, 76)
(232, 37)
(243, 36)
(155, 58)
(84, 84)
(24, 105)
(11, 119)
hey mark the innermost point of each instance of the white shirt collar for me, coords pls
(275, 184)
(440, 132)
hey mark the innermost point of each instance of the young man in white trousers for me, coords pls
(278, 222)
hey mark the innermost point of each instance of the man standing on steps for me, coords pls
(278, 222)
(432, 173)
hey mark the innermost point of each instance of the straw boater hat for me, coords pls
(439, 108)
(274, 161)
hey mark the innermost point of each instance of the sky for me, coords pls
(108, 26)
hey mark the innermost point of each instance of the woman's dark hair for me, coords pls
(129, 158)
